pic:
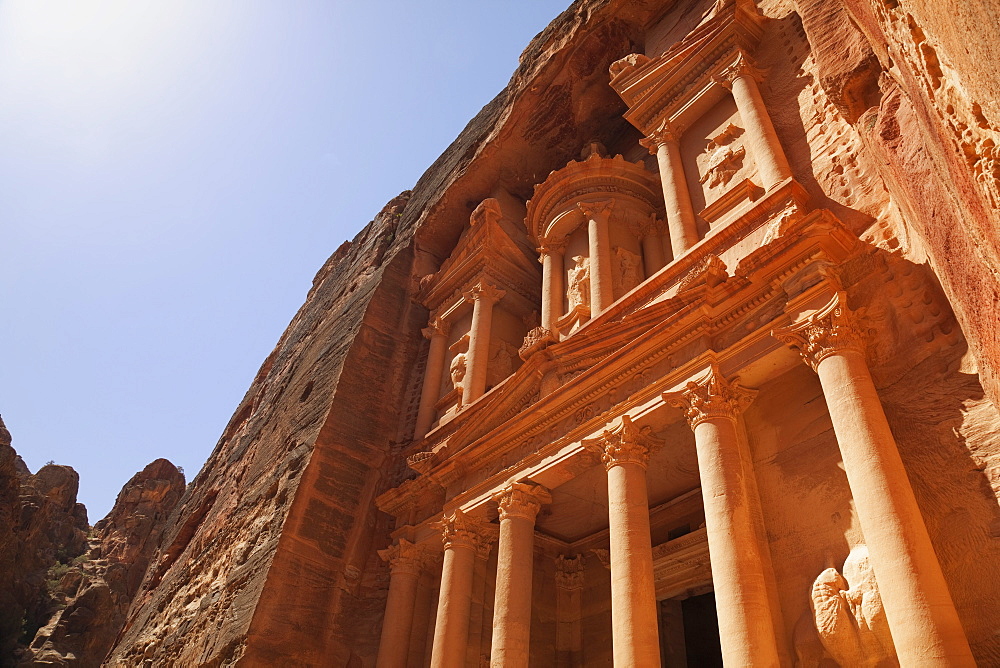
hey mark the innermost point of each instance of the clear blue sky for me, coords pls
(173, 174)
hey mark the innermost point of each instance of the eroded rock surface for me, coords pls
(97, 592)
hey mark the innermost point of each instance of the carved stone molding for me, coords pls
(403, 557)
(569, 572)
(711, 271)
(665, 133)
(436, 327)
(484, 291)
(712, 397)
(488, 211)
(459, 530)
(521, 500)
(743, 66)
(626, 443)
(596, 209)
(829, 330)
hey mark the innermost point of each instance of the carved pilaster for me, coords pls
(521, 500)
(569, 572)
(403, 557)
(665, 133)
(743, 66)
(712, 397)
(626, 443)
(829, 330)
(484, 291)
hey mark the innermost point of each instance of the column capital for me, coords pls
(551, 248)
(645, 228)
(521, 500)
(743, 66)
(596, 209)
(710, 398)
(403, 557)
(831, 329)
(626, 443)
(436, 327)
(665, 133)
(569, 572)
(459, 530)
(484, 291)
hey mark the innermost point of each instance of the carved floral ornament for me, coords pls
(569, 572)
(831, 329)
(403, 557)
(626, 443)
(712, 397)
(521, 500)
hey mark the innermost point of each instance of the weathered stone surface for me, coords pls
(99, 590)
(42, 530)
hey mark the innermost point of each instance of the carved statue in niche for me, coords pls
(629, 272)
(457, 371)
(578, 290)
(848, 615)
(723, 159)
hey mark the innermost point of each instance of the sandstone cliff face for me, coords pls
(270, 556)
(42, 530)
(100, 589)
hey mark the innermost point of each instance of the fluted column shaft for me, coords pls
(922, 618)
(598, 215)
(664, 143)
(762, 140)
(519, 504)
(746, 628)
(451, 628)
(404, 575)
(635, 634)
(437, 332)
(483, 297)
(553, 288)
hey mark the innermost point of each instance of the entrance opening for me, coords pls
(689, 633)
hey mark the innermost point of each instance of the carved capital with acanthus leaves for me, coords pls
(599, 210)
(743, 67)
(484, 291)
(830, 330)
(458, 530)
(665, 133)
(521, 500)
(569, 572)
(436, 327)
(551, 248)
(711, 398)
(403, 557)
(626, 443)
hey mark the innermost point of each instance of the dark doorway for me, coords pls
(689, 633)
(701, 631)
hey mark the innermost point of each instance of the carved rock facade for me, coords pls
(747, 255)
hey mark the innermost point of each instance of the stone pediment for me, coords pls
(668, 85)
(485, 248)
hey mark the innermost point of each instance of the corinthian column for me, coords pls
(921, 615)
(404, 573)
(598, 215)
(451, 629)
(625, 452)
(437, 332)
(746, 630)
(664, 143)
(741, 79)
(519, 505)
(553, 290)
(483, 296)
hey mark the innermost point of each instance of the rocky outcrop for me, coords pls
(98, 592)
(42, 531)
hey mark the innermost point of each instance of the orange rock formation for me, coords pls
(686, 351)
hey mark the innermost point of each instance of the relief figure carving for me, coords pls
(457, 371)
(724, 160)
(578, 290)
(629, 272)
